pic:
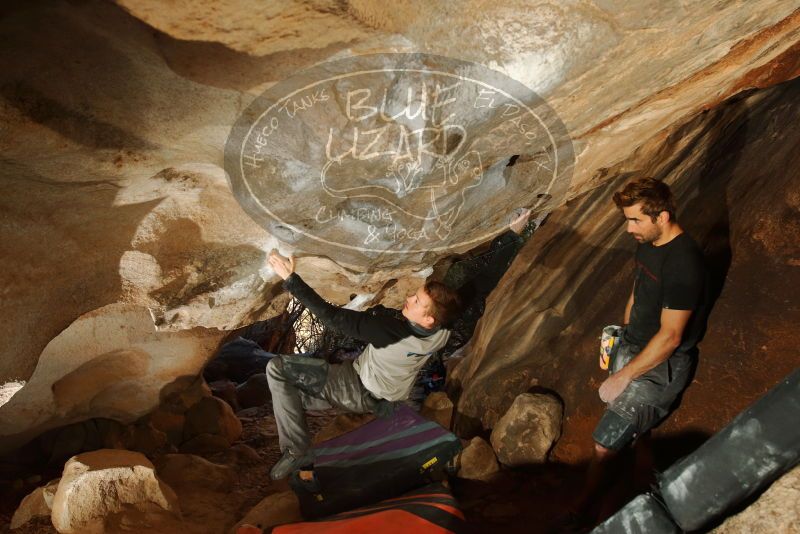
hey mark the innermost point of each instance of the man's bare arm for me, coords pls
(660, 347)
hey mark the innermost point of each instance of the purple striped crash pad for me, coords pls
(379, 460)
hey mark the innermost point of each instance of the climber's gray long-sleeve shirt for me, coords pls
(397, 348)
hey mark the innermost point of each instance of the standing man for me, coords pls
(664, 320)
(382, 374)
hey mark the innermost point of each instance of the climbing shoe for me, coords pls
(291, 462)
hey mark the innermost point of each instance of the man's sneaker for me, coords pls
(290, 463)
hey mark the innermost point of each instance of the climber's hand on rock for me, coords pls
(518, 224)
(613, 386)
(283, 267)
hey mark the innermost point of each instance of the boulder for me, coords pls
(212, 416)
(113, 362)
(108, 482)
(254, 392)
(148, 440)
(438, 408)
(37, 503)
(225, 390)
(182, 470)
(528, 430)
(205, 444)
(275, 509)
(168, 422)
(478, 461)
(112, 434)
(242, 454)
(184, 393)
(776, 510)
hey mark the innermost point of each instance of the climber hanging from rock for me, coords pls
(382, 374)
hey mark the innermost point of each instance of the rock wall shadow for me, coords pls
(72, 124)
(216, 65)
(192, 266)
(60, 267)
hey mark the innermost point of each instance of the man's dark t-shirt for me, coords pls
(671, 276)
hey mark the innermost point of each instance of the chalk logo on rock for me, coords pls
(396, 153)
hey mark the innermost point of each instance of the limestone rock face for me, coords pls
(478, 461)
(314, 24)
(37, 503)
(528, 430)
(776, 510)
(103, 483)
(111, 363)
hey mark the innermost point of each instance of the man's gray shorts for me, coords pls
(646, 401)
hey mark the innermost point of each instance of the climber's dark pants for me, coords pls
(647, 400)
(299, 382)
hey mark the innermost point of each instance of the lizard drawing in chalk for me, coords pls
(438, 195)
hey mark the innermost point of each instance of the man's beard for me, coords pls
(655, 236)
